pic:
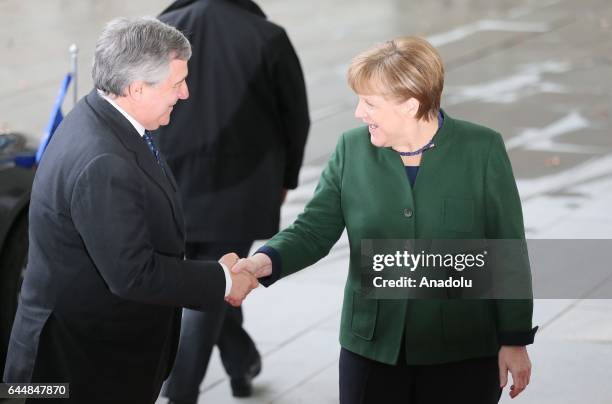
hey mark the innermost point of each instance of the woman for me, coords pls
(413, 172)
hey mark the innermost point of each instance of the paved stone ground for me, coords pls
(537, 71)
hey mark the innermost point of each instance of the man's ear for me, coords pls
(134, 91)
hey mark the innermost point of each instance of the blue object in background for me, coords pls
(56, 116)
(29, 160)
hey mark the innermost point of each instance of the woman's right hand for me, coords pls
(258, 265)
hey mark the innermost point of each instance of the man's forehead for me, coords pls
(179, 64)
(178, 69)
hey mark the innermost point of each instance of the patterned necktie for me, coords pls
(149, 139)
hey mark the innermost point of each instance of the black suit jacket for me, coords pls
(239, 138)
(105, 275)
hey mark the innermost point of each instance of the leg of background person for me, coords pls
(474, 381)
(237, 349)
(199, 334)
(239, 355)
(201, 331)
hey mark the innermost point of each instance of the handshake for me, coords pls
(244, 273)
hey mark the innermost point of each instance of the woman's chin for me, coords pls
(376, 141)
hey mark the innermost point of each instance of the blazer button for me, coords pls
(408, 212)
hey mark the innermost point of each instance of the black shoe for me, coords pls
(243, 386)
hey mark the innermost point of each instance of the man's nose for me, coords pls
(184, 92)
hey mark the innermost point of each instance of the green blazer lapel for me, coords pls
(434, 158)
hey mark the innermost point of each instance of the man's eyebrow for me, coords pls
(181, 80)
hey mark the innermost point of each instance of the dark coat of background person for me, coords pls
(239, 138)
(106, 275)
(234, 146)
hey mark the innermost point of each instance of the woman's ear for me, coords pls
(411, 106)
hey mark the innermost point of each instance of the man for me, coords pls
(98, 307)
(242, 133)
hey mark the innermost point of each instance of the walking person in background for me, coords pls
(241, 133)
(412, 172)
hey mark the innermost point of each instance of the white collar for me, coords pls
(139, 128)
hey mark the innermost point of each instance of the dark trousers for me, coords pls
(365, 381)
(201, 331)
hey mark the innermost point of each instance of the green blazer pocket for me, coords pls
(363, 316)
(458, 214)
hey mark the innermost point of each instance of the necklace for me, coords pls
(428, 146)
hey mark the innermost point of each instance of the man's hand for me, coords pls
(516, 360)
(242, 284)
(229, 260)
(259, 265)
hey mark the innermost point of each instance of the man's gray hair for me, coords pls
(132, 49)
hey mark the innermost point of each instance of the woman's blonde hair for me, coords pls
(400, 69)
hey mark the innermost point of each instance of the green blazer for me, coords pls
(464, 189)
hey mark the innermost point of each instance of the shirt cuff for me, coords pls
(228, 279)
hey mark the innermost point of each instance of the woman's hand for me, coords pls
(242, 284)
(259, 265)
(516, 360)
